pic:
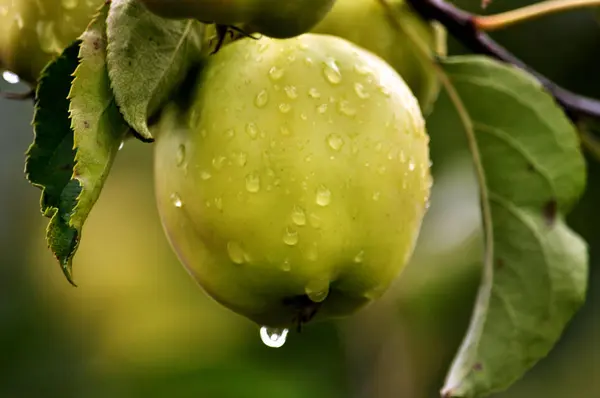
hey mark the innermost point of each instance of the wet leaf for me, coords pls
(148, 57)
(531, 172)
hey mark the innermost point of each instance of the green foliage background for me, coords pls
(139, 327)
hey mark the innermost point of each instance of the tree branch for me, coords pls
(461, 25)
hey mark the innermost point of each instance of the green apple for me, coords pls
(293, 180)
(274, 18)
(33, 32)
(368, 24)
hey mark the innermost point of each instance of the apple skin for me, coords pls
(366, 23)
(274, 18)
(33, 32)
(293, 179)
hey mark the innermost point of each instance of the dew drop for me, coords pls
(205, 175)
(345, 108)
(291, 92)
(335, 141)
(284, 107)
(362, 69)
(317, 290)
(298, 216)
(241, 158)
(273, 337)
(252, 183)
(10, 77)
(176, 200)
(360, 256)
(286, 266)
(360, 90)
(323, 197)
(290, 237)
(322, 108)
(332, 72)
(314, 93)
(261, 99)
(275, 73)
(219, 203)
(411, 165)
(262, 47)
(180, 155)
(218, 161)
(384, 90)
(285, 130)
(235, 252)
(121, 145)
(252, 130)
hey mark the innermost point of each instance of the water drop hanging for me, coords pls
(273, 337)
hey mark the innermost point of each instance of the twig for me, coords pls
(505, 19)
(461, 25)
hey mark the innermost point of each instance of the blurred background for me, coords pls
(138, 326)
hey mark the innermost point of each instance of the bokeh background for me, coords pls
(138, 326)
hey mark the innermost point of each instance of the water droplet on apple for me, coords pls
(314, 93)
(317, 290)
(345, 108)
(176, 200)
(335, 141)
(252, 183)
(261, 99)
(252, 130)
(332, 72)
(298, 216)
(290, 237)
(235, 252)
(284, 107)
(291, 92)
(360, 91)
(323, 197)
(219, 203)
(275, 73)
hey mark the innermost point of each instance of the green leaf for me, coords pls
(99, 128)
(51, 158)
(148, 57)
(531, 172)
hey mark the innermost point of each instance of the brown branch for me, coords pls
(461, 25)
